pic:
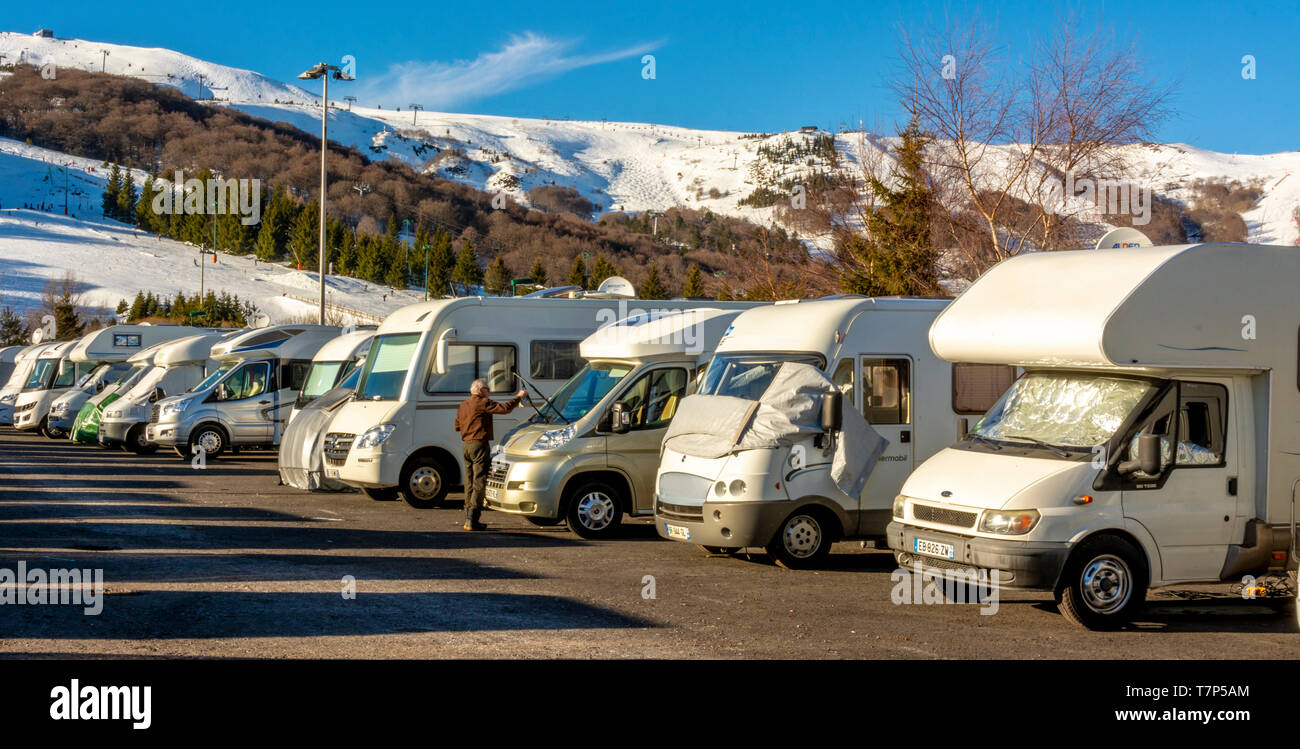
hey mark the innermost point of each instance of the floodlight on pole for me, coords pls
(324, 72)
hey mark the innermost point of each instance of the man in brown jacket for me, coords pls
(474, 422)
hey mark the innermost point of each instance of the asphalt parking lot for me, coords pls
(224, 562)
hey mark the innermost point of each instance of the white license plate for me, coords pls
(932, 548)
(490, 493)
(678, 531)
(331, 473)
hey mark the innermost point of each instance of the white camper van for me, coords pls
(97, 358)
(85, 428)
(246, 401)
(332, 363)
(396, 435)
(24, 363)
(52, 376)
(1152, 440)
(573, 461)
(774, 451)
(177, 367)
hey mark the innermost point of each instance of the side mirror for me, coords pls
(222, 393)
(158, 395)
(619, 419)
(440, 354)
(832, 416)
(1148, 456)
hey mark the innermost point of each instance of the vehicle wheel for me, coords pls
(594, 510)
(137, 443)
(423, 482)
(210, 438)
(719, 549)
(542, 522)
(386, 494)
(801, 542)
(1105, 582)
(44, 427)
(53, 433)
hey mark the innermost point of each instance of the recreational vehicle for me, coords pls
(177, 367)
(335, 361)
(396, 435)
(302, 460)
(573, 461)
(85, 428)
(245, 402)
(1151, 441)
(808, 420)
(52, 376)
(24, 362)
(8, 360)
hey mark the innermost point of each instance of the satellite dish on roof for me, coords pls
(1125, 236)
(617, 286)
(38, 335)
(262, 320)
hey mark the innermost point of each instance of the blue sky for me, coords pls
(747, 66)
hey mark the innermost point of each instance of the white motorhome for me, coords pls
(24, 363)
(302, 459)
(177, 367)
(572, 461)
(85, 428)
(749, 461)
(245, 402)
(52, 376)
(8, 360)
(1152, 440)
(396, 435)
(334, 362)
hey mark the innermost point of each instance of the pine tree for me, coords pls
(497, 278)
(538, 273)
(122, 307)
(577, 276)
(67, 323)
(694, 282)
(370, 265)
(137, 308)
(272, 237)
(653, 288)
(601, 270)
(441, 264)
(304, 236)
(467, 272)
(145, 218)
(124, 210)
(111, 191)
(12, 330)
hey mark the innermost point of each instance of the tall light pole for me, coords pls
(324, 72)
(103, 64)
(415, 112)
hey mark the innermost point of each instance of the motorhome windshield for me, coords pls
(129, 379)
(146, 384)
(96, 372)
(1067, 410)
(320, 378)
(748, 375)
(386, 366)
(213, 378)
(584, 390)
(42, 374)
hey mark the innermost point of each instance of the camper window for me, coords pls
(386, 366)
(248, 381)
(976, 387)
(584, 390)
(293, 374)
(67, 374)
(553, 360)
(652, 400)
(1201, 423)
(1062, 409)
(468, 362)
(886, 391)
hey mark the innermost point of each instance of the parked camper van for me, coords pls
(245, 402)
(302, 458)
(336, 360)
(52, 376)
(774, 452)
(396, 435)
(177, 367)
(8, 360)
(96, 358)
(1152, 440)
(85, 428)
(573, 461)
(24, 363)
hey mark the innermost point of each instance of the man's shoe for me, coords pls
(473, 526)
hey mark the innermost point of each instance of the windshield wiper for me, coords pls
(991, 443)
(1054, 448)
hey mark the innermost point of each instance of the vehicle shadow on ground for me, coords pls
(185, 614)
(1209, 615)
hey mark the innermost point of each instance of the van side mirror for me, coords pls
(619, 419)
(832, 416)
(1148, 456)
(158, 395)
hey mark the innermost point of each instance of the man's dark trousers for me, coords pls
(476, 469)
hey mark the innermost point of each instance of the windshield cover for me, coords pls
(320, 378)
(585, 389)
(748, 375)
(386, 366)
(1062, 409)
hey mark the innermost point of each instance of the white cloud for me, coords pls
(525, 60)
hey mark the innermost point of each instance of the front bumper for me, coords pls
(26, 421)
(62, 423)
(525, 487)
(727, 524)
(113, 433)
(1011, 564)
(166, 433)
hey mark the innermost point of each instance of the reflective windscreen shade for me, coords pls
(748, 375)
(386, 366)
(1070, 410)
(585, 389)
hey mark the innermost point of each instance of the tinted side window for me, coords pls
(976, 387)
(887, 391)
(553, 360)
(294, 374)
(653, 399)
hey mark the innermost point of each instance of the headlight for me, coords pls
(900, 504)
(174, 408)
(9, 398)
(1011, 523)
(737, 487)
(375, 436)
(114, 414)
(555, 438)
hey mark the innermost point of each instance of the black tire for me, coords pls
(211, 437)
(1104, 583)
(802, 541)
(43, 428)
(423, 482)
(386, 494)
(719, 549)
(594, 510)
(543, 522)
(136, 443)
(52, 432)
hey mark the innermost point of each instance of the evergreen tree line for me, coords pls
(212, 310)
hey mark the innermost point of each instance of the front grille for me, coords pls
(498, 472)
(337, 446)
(940, 563)
(155, 413)
(673, 484)
(24, 408)
(944, 516)
(679, 512)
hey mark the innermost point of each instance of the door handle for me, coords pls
(905, 436)
(263, 403)
(1232, 486)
